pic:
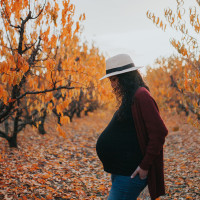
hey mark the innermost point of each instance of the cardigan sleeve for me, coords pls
(156, 129)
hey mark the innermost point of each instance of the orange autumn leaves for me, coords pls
(182, 72)
(174, 87)
(49, 167)
(39, 46)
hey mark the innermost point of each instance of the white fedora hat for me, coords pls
(119, 64)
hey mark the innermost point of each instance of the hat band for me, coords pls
(108, 71)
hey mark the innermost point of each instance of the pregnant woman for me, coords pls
(131, 146)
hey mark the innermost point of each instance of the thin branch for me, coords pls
(31, 60)
(28, 47)
(8, 47)
(39, 12)
(7, 18)
(7, 34)
(4, 135)
(44, 91)
(21, 38)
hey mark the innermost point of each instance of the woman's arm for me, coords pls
(155, 127)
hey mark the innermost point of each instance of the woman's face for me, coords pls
(114, 81)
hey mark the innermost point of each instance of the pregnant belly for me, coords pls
(117, 155)
(117, 149)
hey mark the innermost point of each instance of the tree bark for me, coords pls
(42, 120)
(13, 141)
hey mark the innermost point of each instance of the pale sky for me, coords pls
(118, 26)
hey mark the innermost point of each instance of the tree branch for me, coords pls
(39, 12)
(3, 135)
(7, 35)
(31, 60)
(28, 47)
(21, 32)
(8, 48)
(44, 91)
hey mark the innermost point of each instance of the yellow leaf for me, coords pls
(60, 131)
(64, 120)
(179, 14)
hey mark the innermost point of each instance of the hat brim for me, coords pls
(121, 72)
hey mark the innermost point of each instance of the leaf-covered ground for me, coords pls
(53, 167)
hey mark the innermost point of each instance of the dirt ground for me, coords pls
(52, 167)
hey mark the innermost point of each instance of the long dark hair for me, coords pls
(127, 85)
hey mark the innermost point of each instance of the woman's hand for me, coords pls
(142, 173)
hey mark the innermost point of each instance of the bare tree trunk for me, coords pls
(42, 120)
(13, 141)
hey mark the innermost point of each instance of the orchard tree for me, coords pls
(164, 87)
(34, 36)
(187, 22)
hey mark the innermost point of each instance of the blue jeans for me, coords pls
(125, 187)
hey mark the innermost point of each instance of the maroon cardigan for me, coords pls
(151, 132)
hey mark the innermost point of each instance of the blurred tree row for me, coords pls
(176, 80)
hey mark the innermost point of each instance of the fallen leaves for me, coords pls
(52, 167)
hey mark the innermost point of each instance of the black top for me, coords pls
(117, 147)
